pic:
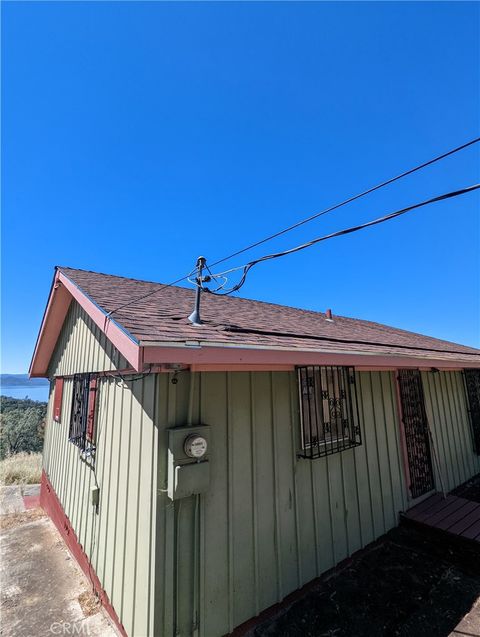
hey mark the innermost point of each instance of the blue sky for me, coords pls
(137, 136)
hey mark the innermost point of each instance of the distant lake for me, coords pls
(34, 393)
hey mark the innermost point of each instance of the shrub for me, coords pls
(22, 425)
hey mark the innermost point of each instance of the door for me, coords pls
(416, 433)
(472, 381)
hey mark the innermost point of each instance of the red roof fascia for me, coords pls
(57, 307)
(214, 358)
(61, 294)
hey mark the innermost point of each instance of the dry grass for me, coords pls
(11, 520)
(89, 603)
(22, 468)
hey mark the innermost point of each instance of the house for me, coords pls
(201, 473)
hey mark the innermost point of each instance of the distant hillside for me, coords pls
(22, 380)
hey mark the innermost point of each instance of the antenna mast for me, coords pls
(194, 317)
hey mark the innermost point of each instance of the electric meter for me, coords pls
(195, 446)
(188, 462)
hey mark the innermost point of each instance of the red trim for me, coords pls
(31, 501)
(54, 316)
(53, 507)
(223, 356)
(92, 401)
(122, 341)
(61, 294)
(57, 401)
(241, 368)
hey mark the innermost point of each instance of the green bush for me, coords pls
(22, 425)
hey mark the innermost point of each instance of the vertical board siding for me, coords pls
(83, 347)
(271, 522)
(120, 539)
(453, 455)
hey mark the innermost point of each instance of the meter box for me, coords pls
(188, 461)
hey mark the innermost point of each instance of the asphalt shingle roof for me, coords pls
(162, 317)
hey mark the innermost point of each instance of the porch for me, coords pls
(453, 514)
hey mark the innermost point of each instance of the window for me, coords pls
(57, 400)
(82, 417)
(328, 410)
(472, 382)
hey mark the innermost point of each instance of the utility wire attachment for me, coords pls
(194, 317)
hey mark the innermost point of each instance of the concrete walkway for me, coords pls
(44, 592)
(16, 498)
(470, 624)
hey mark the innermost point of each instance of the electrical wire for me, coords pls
(135, 378)
(349, 200)
(298, 224)
(248, 266)
(140, 298)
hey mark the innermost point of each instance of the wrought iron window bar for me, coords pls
(472, 384)
(79, 416)
(416, 431)
(329, 415)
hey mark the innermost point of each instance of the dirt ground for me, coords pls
(44, 592)
(413, 583)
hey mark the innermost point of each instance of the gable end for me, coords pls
(83, 347)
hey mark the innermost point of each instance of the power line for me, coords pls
(140, 298)
(248, 266)
(349, 200)
(298, 224)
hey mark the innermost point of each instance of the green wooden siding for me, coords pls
(271, 522)
(120, 539)
(454, 458)
(83, 347)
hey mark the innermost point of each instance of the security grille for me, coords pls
(417, 437)
(79, 414)
(328, 410)
(472, 382)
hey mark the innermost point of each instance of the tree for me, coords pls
(21, 426)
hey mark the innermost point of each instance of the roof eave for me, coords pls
(210, 353)
(62, 292)
(55, 310)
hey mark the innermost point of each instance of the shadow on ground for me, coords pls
(413, 582)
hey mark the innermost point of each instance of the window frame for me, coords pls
(82, 426)
(332, 393)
